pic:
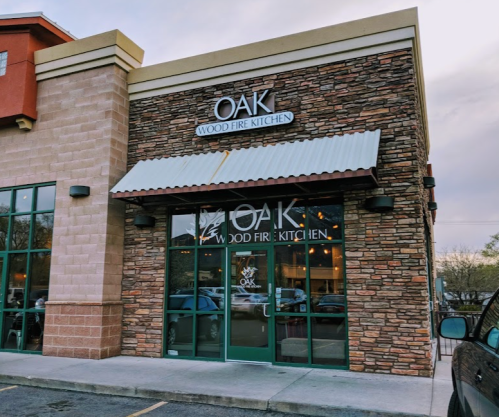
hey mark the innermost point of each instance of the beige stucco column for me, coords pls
(81, 137)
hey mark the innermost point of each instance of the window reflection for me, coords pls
(290, 279)
(17, 279)
(20, 232)
(326, 277)
(329, 341)
(44, 226)
(45, 198)
(5, 201)
(210, 280)
(4, 229)
(23, 199)
(13, 331)
(179, 334)
(209, 335)
(181, 275)
(39, 280)
(325, 222)
(183, 229)
(291, 339)
(290, 222)
(34, 331)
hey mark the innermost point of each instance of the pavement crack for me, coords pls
(269, 401)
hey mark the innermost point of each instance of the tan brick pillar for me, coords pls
(83, 111)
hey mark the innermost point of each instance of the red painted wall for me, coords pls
(20, 38)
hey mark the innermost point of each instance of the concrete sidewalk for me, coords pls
(317, 392)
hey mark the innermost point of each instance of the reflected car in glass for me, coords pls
(475, 363)
(180, 325)
(331, 303)
(291, 299)
(202, 291)
(247, 303)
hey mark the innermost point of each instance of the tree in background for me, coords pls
(491, 250)
(469, 276)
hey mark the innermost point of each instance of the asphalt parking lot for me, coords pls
(23, 401)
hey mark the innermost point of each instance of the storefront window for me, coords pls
(276, 268)
(26, 229)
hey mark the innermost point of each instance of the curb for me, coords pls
(224, 401)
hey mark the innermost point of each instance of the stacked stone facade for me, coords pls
(387, 280)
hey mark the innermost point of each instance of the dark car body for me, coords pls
(180, 325)
(332, 303)
(475, 363)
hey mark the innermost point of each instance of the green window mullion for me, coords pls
(307, 285)
(27, 284)
(196, 265)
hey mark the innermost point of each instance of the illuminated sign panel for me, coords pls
(230, 115)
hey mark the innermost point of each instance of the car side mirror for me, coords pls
(454, 328)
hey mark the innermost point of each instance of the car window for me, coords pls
(489, 331)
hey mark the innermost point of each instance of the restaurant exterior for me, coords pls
(268, 203)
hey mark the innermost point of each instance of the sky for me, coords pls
(460, 47)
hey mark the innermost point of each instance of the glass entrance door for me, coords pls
(249, 309)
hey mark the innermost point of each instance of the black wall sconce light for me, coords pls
(429, 182)
(144, 221)
(380, 204)
(79, 191)
(432, 205)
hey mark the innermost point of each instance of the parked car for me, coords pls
(247, 303)
(180, 325)
(291, 299)
(331, 303)
(203, 291)
(475, 363)
(218, 294)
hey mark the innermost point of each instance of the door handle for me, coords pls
(265, 305)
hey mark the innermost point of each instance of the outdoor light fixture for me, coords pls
(432, 205)
(79, 191)
(144, 221)
(380, 204)
(429, 182)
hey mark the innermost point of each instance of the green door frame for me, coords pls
(253, 354)
(3, 292)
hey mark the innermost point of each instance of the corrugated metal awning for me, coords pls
(329, 158)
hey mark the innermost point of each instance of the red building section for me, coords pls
(20, 36)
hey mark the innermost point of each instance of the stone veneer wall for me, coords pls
(80, 138)
(386, 273)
